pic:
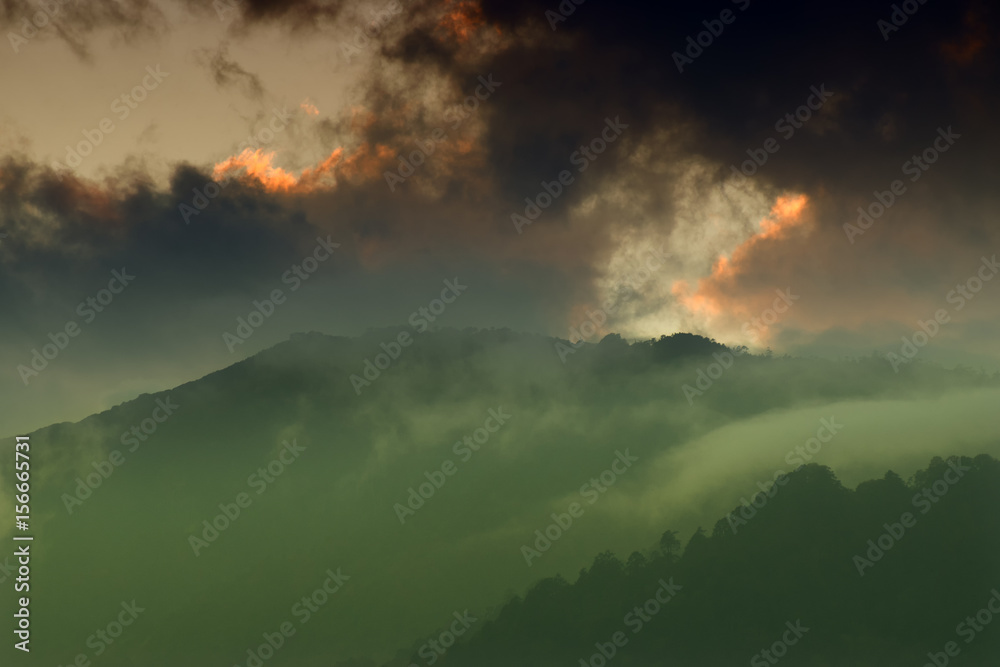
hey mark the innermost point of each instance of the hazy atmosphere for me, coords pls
(530, 313)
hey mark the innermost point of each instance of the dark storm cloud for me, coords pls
(64, 232)
(607, 59)
(884, 95)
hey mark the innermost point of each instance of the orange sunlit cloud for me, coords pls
(363, 164)
(259, 166)
(309, 107)
(711, 298)
(366, 163)
(695, 302)
(464, 18)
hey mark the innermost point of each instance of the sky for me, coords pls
(819, 180)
